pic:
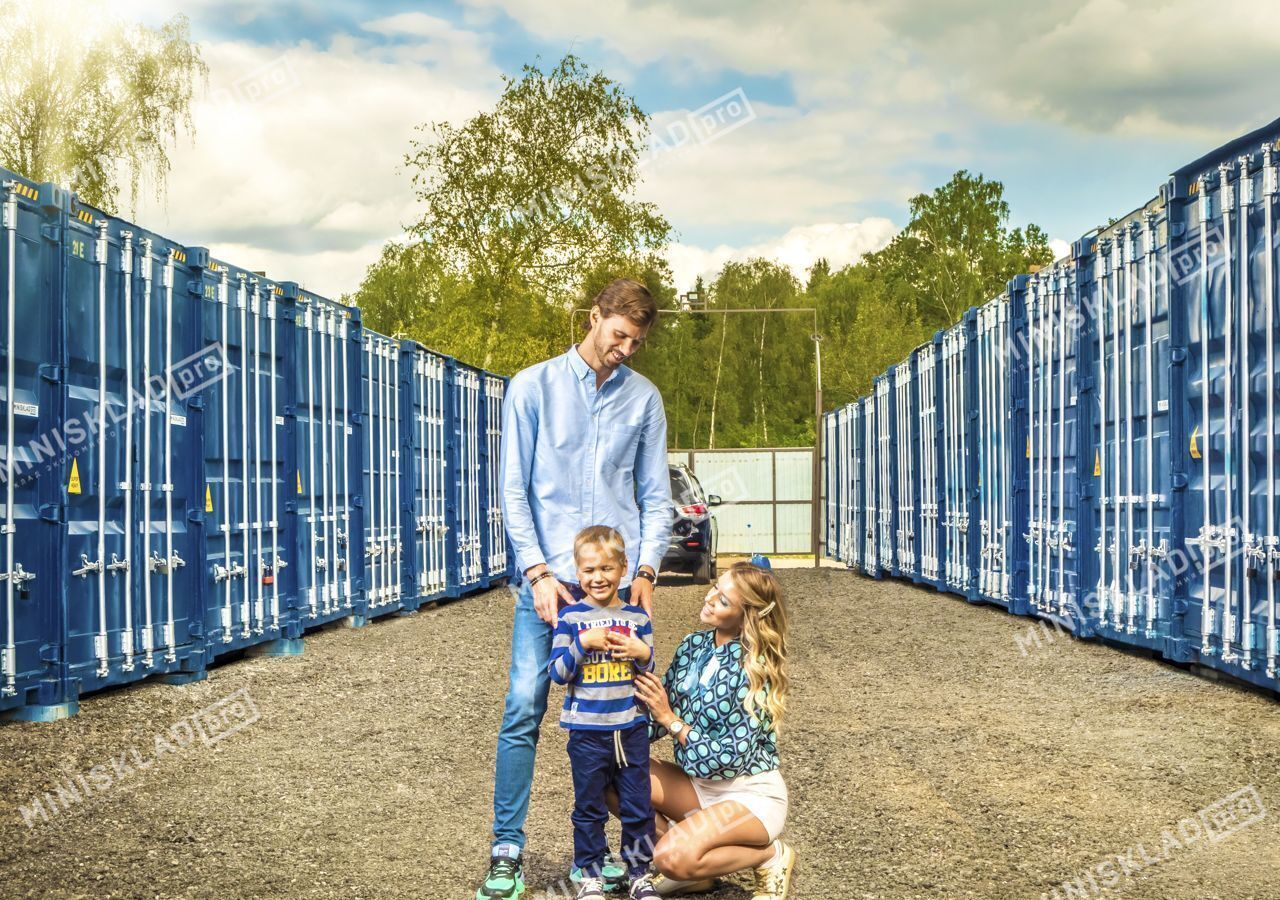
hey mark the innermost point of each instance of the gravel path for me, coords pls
(927, 756)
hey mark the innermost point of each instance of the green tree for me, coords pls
(957, 250)
(524, 204)
(87, 108)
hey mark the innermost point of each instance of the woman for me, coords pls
(721, 701)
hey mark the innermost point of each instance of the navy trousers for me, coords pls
(593, 756)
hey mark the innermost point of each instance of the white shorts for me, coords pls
(764, 796)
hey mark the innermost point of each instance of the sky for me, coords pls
(791, 132)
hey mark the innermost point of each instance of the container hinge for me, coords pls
(51, 373)
(195, 401)
(51, 512)
(51, 233)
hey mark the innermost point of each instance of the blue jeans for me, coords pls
(527, 686)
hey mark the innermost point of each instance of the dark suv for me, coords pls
(693, 529)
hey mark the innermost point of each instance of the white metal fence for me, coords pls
(767, 497)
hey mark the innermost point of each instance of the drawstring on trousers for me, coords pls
(619, 754)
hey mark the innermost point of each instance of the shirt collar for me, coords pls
(580, 368)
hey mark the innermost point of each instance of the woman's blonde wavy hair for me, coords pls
(764, 640)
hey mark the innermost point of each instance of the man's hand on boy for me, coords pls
(624, 646)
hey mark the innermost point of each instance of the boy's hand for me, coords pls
(593, 639)
(625, 646)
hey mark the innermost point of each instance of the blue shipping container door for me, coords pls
(249, 586)
(1127, 304)
(1052, 445)
(136, 361)
(1223, 269)
(32, 615)
(906, 476)
(830, 478)
(995, 475)
(929, 543)
(958, 458)
(327, 486)
(886, 481)
(870, 489)
(499, 560)
(383, 474)
(466, 479)
(849, 467)
(427, 417)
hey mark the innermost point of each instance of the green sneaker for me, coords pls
(505, 880)
(612, 872)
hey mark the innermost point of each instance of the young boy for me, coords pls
(599, 644)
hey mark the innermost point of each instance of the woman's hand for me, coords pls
(627, 646)
(652, 694)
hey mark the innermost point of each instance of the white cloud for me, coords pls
(297, 162)
(798, 249)
(1061, 249)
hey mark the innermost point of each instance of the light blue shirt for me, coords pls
(574, 456)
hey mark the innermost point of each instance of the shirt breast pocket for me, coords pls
(621, 443)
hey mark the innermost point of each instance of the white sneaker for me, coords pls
(669, 887)
(773, 879)
(591, 889)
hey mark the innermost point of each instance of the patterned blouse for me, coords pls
(707, 685)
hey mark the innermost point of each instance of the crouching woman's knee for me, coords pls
(678, 857)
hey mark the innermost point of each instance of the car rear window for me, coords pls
(682, 490)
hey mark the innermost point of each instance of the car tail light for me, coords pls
(697, 509)
(693, 543)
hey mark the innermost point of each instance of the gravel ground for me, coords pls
(927, 756)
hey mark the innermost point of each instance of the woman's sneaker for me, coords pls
(642, 889)
(669, 887)
(773, 879)
(591, 889)
(505, 880)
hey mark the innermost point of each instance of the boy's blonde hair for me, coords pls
(764, 640)
(601, 536)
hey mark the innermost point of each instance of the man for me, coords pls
(584, 442)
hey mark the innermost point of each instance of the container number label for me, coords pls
(177, 420)
(26, 409)
(280, 420)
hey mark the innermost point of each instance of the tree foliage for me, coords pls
(88, 107)
(529, 213)
(522, 204)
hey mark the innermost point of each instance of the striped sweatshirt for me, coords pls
(600, 693)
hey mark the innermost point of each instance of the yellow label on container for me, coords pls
(299, 482)
(208, 498)
(1097, 463)
(1028, 446)
(1195, 448)
(73, 483)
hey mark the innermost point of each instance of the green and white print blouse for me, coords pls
(707, 686)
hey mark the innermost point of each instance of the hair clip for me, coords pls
(768, 609)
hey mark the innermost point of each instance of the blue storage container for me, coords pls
(870, 488)
(849, 485)
(499, 559)
(959, 461)
(427, 416)
(134, 367)
(247, 582)
(1130, 525)
(33, 682)
(1000, 470)
(331, 500)
(1222, 260)
(930, 479)
(1053, 445)
(467, 479)
(830, 483)
(906, 462)
(384, 478)
(886, 480)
